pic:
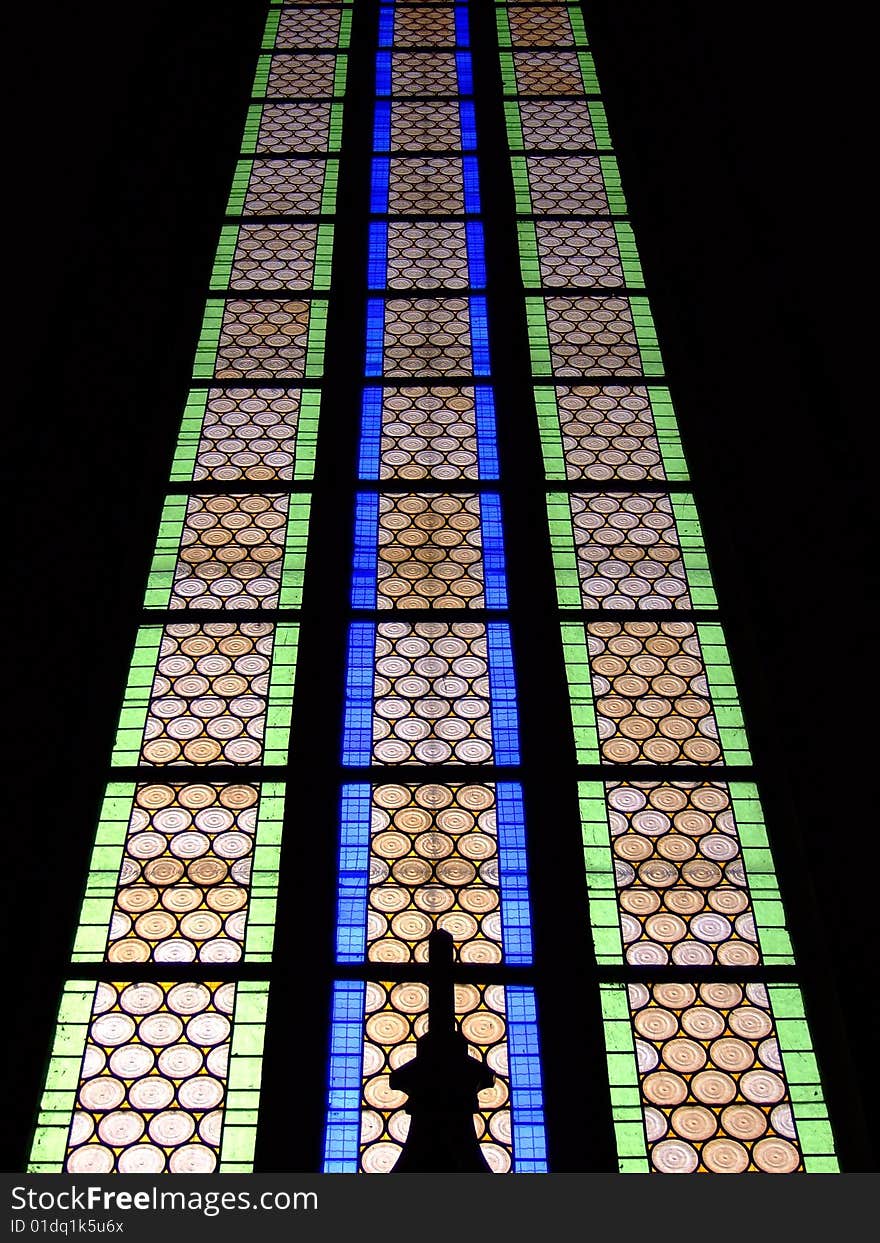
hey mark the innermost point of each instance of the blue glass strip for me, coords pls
(468, 126)
(502, 694)
(516, 919)
(464, 72)
(371, 434)
(377, 260)
(386, 27)
(479, 336)
(382, 125)
(383, 73)
(462, 32)
(375, 336)
(527, 1097)
(357, 740)
(342, 1135)
(471, 178)
(492, 536)
(366, 551)
(476, 252)
(487, 439)
(354, 869)
(379, 187)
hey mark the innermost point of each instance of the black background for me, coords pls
(739, 131)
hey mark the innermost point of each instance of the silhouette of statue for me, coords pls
(441, 1082)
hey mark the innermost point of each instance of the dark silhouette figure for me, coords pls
(442, 1082)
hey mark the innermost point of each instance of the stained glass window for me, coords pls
(427, 258)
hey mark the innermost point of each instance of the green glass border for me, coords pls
(513, 125)
(263, 894)
(646, 335)
(276, 745)
(315, 341)
(773, 937)
(221, 273)
(550, 431)
(295, 547)
(539, 337)
(96, 910)
(815, 1136)
(623, 1080)
(693, 551)
(580, 691)
(761, 884)
(239, 1137)
(604, 906)
(722, 694)
(166, 554)
(136, 701)
(527, 236)
(62, 1077)
(565, 571)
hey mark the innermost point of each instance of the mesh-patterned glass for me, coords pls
(714, 1092)
(248, 433)
(430, 551)
(231, 551)
(628, 552)
(262, 340)
(185, 874)
(433, 864)
(153, 1080)
(652, 696)
(428, 433)
(680, 875)
(608, 432)
(209, 696)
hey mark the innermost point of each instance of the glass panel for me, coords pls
(301, 77)
(430, 551)
(274, 256)
(567, 185)
(432, 187)
(540, 27)
(427, 126)
(425, 433)
(548, 73)
(430, 693)
(185, 876)
(714, 1091)
(680, 874)
(153, 1080)
(579, 254)
(652, 696)
(231, 551)
(209, 695)
(424, 73)
(439, 856)
(427, 256)
(285, 188)
(427, 337)
(592, 336)
(607, 432)
(564, 124)
(294, 127)
(425, 27)
(316, 27)
(263, 340)
(247, 433)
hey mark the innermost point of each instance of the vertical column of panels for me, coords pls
(451, 853)
(679, 872)
(150, 1076)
